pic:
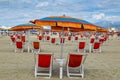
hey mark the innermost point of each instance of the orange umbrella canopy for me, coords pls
(101, 29)
(23, 27)
(64, 21)
(66, 29)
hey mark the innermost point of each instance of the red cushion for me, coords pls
(19, 45)
(48, 37)
(69, 38)
(92, 40)
(36, 45)
(75, 60)
(44, 60)
(13, 39)
(76, 38)
(81, 45)
(23, 38)
(96, 45)
(53, 40)
(40, 37)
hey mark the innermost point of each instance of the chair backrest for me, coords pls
(69, 38)
(36, 45)
(44, 60)
(101, 40)
(13, 39)
(19, 44)
(81, 45)
(52, 40)
(75, 60)
(40, 37)
(76, 38)
(48, 37)
(96, 45)
(18, 36)
(92, 40)
(23, 38)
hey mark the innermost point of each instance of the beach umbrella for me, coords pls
(101, 29)
(64, 22)
(66, 29)
(25, 27)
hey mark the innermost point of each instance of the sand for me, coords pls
(98, 66)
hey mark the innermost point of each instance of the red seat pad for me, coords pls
(44, 60)
(75, 60)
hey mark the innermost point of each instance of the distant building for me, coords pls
(112, 29)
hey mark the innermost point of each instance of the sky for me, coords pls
(15, 12)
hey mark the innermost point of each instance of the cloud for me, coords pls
(4, 27)
(27, 1)
(98, 16)
(112, 18)
(18, 11)
(42, 4)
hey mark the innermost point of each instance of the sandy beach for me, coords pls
(98, 66)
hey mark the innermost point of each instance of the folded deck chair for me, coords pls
(36, 47)
(81, 47)
(43, 65)
(75, 65)
(62, 40)
(19, 46)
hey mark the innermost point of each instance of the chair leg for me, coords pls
(68, 72)
(50, 72)
(82, 74)
(35, 71)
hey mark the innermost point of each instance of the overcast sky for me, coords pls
(15, 12)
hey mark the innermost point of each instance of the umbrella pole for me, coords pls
(62, 44)
(28, 41)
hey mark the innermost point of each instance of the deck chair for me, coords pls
(81, 47)
(23, 39)
(69, 38)
(76, 38)
(75, 65)
(96, 47)
(47, 38)
(92, 40)
(13, 40)
(52, 40)
(40, 38)
(43, 65)
(19, 46)
(36, 47)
